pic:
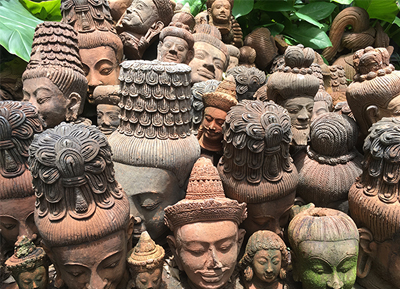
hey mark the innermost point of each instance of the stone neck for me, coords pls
(214, 146)
(258, 284)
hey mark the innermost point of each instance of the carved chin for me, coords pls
(300, 136)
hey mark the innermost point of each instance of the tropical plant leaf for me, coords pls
(309, 35)
(380, 9)
(308, 19)
(196, 6)
(275, 5)
(17, 27)
(45, 10)
(344, 2)
(242, 7)
(317, 10)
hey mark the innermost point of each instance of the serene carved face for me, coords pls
(48, 99)
(107, 118)
(221, 11)
(16, 219)
(208, 62)
(149, 279)
(212, 123)
(140, 16)
(267, 265)
(174, 49)
(323, 265)
(271, 216)
(320, 107)
(207, 252)
(36, 279)
(150, 191)
(99, 264)
(101, 67)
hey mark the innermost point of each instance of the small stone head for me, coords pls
(29, 265)
(324, 245)
(265, 259)
(54, 81)
(220, 10)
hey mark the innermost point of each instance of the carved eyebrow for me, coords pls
(345, 259)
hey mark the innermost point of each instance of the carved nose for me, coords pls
(213, 261)
(335, 282)
(210, 67)
(96, 282)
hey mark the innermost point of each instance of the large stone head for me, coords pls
(375, 91)
(100, 48)
(256, 167)
(82, 213)
(374, 206)
(19, 121)
(153, 141)
(324, 245)
(54, 81)
(206, 238)
(294, 86)
(211, 56)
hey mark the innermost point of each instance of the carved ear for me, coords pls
(173, 246)
(248, 273)
(157, 27)
(241, 234)
(367, 251)
(296, 275)
(73, 105)
(189, 56)
(372, 114)
(58, 282)
(208, 11)
(129, 231)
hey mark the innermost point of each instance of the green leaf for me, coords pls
(309, 36)
(397, 21)
(17, 28)
(308, 19)
(317, 10)
(274, 28)
(380, 9)
(46, 10)
(242, 7)
(196, 6)
(276, 5)
(344, 2)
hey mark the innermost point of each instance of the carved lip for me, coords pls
(206, 73)
(172, 57)
(299, 126)
(211, 277)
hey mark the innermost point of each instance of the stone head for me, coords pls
(220, 10)
(374, 93)
(324, 245)
(76, 191)
(216, 106)
(234, 55)
(145, 262)
(374, 206)
(294, 87)
(265, 259)
(54, 81)
(248, 81)
(176, 44)
(210, 54)
(29, 265)
(256, 167)
(154, 128)
(19, 121)
(206, 238)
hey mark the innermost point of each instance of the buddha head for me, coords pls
(206, 237)
(29, 265)
(234, 55)
(54, 81)
(220, 11)
(216, 106)
(19, 121)
(145, 262)
(81, 212)
(100, 48)
(324, 245)
(374, 93)
(294, 87)
(176, 44)
(265, 260)
(211, 56)
(256, 167)
(153, 140)
(374, 206)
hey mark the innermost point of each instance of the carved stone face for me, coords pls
(107, 118)
(392, 109)
(101, 67)
(48, 99)
(174, 49)
(148, 199)
(208, 62)
(221, 11)
(16, 219)
(140, 16)
(267, 265)
(212, 123)
(37, 279)
(320, 107)
(149, 279)
(207, 252)
(98, 264)
(271, 216)
(324, 265)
